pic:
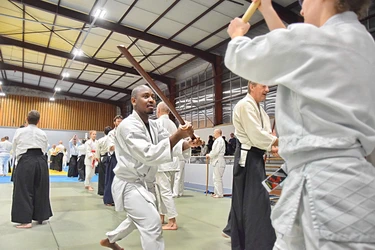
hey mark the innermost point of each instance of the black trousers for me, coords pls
(101, 174)
(251, 227)
(31, 188)
(81, 168)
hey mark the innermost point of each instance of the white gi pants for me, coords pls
(141, 215)
(90, 172)
(307, 239)
(165, 182)
(4, 167)
(178, 188)
(218, 173)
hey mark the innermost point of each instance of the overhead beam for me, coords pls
(48, 90)
(66, 55)
(118, 28)
(5, 66)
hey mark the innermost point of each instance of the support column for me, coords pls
(172, 97)
(217, 69)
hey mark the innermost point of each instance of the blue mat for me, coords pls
(54, 178)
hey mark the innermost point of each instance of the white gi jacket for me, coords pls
(252, 127)
(217, 152)
(325, 77)
(27, 138)
(139, 154)
(90, 155)
(166, 123)
(5, 148)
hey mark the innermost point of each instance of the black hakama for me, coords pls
(250, 220)
(101, 173)
(31, 188)
(59, 162)
(73, 166)
(53, 162)
(109, 175)
(81, 168)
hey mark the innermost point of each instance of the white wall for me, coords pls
(195, 177)
(54, 136)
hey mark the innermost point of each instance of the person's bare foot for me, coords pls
(170, 226)
(113, 246)
(28, 225)
(90, 189)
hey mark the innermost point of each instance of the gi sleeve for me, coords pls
(267, 58)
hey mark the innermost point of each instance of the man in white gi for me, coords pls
(31, 177)
(91, 159)
(325, 75)
(73, 160)
(5, 148)
(217, 161)
(249, 219)
(141, 146)
(165, 177)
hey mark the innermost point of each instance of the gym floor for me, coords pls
(80, 220)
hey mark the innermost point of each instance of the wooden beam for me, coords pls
(10, 83)
(66, 55)
(118, 28)
(5, 66)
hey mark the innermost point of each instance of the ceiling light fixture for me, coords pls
(100, 13)
(65, 74)
(52, 99)
(57, 89)
(77, 52)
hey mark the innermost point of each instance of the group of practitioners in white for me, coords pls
(324, 133)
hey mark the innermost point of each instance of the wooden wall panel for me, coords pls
(60, 114)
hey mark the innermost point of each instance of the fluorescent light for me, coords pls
(77, 52)
(65, 74)
(100, 13)
(57, 89)
(2, 94)
(52, 99)
(1, 83)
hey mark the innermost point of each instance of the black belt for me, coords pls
(74, 155)
(103, 155)
(34, 151)
(255, 150)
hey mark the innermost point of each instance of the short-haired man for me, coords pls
(250, 222)
(217, 161)
(31, 178)
(141, 146)
(165, 177)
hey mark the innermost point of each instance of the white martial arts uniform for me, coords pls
(217, 161)
(165, 177)
(138, 156)
(5, 148)
(91, 155)
(252, 127)
(179, 185)
(325, 77)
